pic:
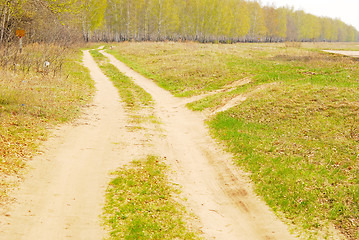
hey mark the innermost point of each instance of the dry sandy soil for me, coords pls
(346, 53)
(62, 196)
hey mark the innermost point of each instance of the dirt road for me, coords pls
(62, 197)
(346, 53)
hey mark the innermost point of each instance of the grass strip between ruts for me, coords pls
(133, 95)
(140, 204)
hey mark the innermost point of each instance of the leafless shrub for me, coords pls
(33, 58)
(293, 44)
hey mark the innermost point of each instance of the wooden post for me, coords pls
(20, 44)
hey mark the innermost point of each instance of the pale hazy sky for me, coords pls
(345, 10)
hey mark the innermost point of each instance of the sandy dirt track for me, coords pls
(346, 53)
(63, 195)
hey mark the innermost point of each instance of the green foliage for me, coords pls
(257, 21)
(217, 21)
(198, 20)
(140, 204)
(60, 6)
(91, 15)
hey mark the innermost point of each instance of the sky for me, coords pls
(345, 10)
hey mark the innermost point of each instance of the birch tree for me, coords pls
(91, 14)
(200, 20)
(257, 22)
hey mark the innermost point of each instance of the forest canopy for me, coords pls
(158, 20)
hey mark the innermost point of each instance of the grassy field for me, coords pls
(140, 204)
(33, 98)
(297, 132)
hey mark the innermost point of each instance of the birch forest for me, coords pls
(160, 20)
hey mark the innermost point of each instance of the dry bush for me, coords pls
(293, 44)
(36, 57)
(32, 98)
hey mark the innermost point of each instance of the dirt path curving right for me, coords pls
(217, 192)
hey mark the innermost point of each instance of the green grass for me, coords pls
(302, 150)
(298, 138)
(187, 69)
(140, 204)
(162, 65)
(218, 99)
(31, 102)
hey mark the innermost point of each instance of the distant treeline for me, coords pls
(216, 20)
(158, 20)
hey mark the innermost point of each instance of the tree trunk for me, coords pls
(2, 33)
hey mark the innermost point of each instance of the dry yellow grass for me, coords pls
(33, 98)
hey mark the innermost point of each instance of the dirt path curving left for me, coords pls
(62, 196)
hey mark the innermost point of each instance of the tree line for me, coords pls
(216, 20)
(158, 20)
(60, 21)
